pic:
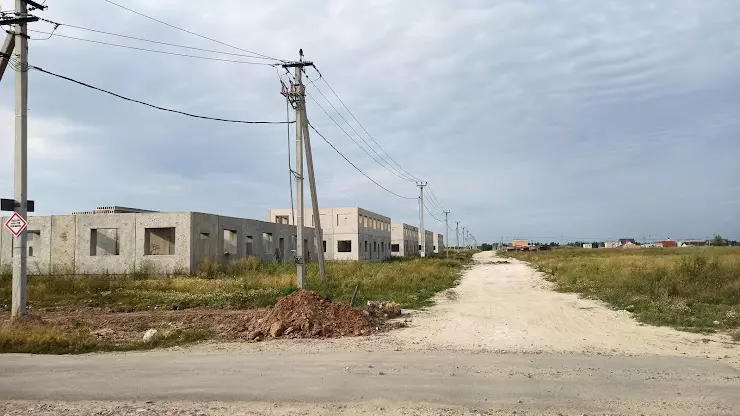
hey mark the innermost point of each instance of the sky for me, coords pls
(553, 120)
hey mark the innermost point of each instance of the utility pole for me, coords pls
(447, 233)
(463, 233)
(422, 232)
(318, 232)
(298, 95)
(20, 243)
(457, 234)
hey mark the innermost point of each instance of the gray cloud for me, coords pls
(540, 119)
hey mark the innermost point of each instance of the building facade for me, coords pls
(161, 242)
(351, 233)
(404, 240)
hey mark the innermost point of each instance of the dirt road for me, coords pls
(501, 342)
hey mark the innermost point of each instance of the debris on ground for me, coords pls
(149, 334)
(384, 309)
(306, 314)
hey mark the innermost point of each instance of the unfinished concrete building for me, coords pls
(439, 244)
(102, 242)
(404, 240)
(349, 233)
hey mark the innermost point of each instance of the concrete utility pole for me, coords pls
(463, 233)
(422, 232)
(302, 137)
(457, 234)
(6, 52)
(318, 232)
(20, 243)
(447, 233)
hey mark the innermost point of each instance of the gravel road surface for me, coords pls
(499, 343)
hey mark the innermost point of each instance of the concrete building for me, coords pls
(439, 244)
(119, 243)
(404, 240)
(349, 233)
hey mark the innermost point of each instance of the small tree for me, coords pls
(486, 247)
(719, 241)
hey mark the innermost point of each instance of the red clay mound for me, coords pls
(308, 314)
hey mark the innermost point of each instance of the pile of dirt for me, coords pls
(306, 314)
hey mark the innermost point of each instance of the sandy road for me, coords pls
(511, 308)
(502, 343)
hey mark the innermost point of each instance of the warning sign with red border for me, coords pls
(16, 224)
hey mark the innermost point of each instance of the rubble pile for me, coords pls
(306, 314)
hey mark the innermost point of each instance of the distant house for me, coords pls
(623, 241)
(651, 245)
(587, 245)
(610, 244)
(629, 245)
(520, 243)
(693, 243)
(668, 243)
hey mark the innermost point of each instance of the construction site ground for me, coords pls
(502, 342)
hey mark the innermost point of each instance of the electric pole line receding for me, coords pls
(297, 93)
(422, 232)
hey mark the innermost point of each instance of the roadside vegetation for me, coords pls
(691, 289)
(245, 284)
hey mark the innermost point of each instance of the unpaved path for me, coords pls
(511, 308)
(499, 343)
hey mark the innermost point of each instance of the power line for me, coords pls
(387, 166)
(155, 106)
(355, 166)
(363, 127)
(174, 45)
(343, 130)
(192, 33)
(209, 58)
(434, 198)
(430, 213)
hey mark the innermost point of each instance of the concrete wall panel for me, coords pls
(124, 262)
(63, 237)
(155, 228)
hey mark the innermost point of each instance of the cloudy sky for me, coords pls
(543, 119)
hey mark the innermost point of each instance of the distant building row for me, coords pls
(354, 233)
(119, 240)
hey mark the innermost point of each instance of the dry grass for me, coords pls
(44, 338)
(246, 283)
(689, 288)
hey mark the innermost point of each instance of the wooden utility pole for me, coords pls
(298, 95)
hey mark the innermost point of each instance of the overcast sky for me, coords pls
(548, 120)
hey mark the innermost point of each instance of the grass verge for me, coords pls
(690, 289)
(246, 283)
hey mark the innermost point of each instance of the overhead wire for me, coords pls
(387, 166)
(355, 166)
(434, 198)
(155, 106)
(363, 127)
(290, 167)
(209, 58)
(260, 55)
(174, 45)
(430, 213)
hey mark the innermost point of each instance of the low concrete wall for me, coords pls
(157, 242)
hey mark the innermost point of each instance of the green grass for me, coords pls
(48, 339)
(248, 283)
(687, 288)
